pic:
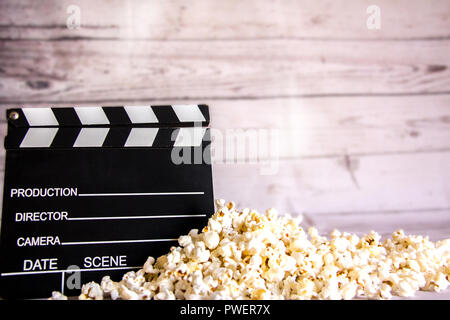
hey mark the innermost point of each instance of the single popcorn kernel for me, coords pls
(242, 254)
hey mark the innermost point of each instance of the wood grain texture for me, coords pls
(330, 126)
(341, 184)
(107, 71)
(231, 19)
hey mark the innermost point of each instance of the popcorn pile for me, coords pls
(247, 255)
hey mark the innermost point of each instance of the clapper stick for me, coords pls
(98, 190)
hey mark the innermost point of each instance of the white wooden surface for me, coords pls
(231, 19)
(106, 71)
(363, 116)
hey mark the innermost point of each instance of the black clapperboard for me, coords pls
(98, 190)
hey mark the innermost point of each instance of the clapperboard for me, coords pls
(98, 190)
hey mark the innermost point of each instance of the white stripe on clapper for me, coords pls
(141, 137)
(141, 114)
(40, 117)
(188, 113)
(91, 137)
(189, 137)
(38, 138)
(91, 115)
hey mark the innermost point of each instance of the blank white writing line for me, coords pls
(141, 217)
(71, 271)
(137, 194)
(113, 241)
